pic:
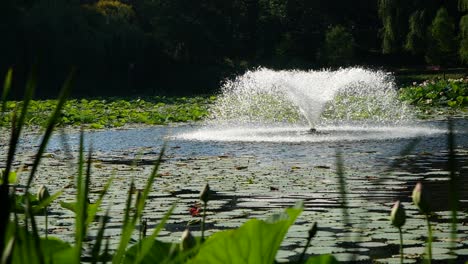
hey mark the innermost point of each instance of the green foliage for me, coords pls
(160, 252)
(339, 46)
(443, 93)
(115, 10)
(98, 114)
(463, 49)
(394, 16)
(416, 38)
(463, 5)
(442, 46)
(52, 250)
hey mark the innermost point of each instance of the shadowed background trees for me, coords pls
(178, 47)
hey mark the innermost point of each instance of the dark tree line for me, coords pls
(132, 47)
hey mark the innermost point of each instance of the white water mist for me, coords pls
(310, 97)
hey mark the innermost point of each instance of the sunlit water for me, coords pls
(282, 106)
(344, 133)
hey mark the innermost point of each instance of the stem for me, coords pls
(401, 245)
(46, 223)
(203, 223)
(429, 239)
(305, 249)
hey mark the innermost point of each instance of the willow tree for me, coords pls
(463, 5)
(416, 38)
(463, 50)
(394, 16)
(442, 39)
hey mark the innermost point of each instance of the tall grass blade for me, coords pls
(47, 134)
(396, 162)
(36, 239)
(126, 227)
(453, 184)
(147, 243)
(342, 187)
(16, 128)
(53, 119)
(6, 91)
(130, 223)
(82, 198)
(99, 238)
(44, 203)
(149, 183)
(98, 202)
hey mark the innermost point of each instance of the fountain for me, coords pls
(314, 106)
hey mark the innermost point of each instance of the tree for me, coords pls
(339, 46)
(463, 50)
(463, 5)
(394, 15)
(416, 38)
(442, 45)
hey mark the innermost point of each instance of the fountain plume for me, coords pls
(309, 97)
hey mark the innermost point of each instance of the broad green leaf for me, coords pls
(322, 259)
(57, 251)
(256, 241)
(52, 250)
(160, 252)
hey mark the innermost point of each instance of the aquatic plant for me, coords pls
(422, 201)
(204, 197)
(112, 112)
(43, 194)
(440, 93)
(398, 219)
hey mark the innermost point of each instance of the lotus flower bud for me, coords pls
(398, 215)
(313, 230)
(421, 198)
(187, 240)
(42, 193)
(205, 194)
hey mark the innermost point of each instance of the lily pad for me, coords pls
(421, 250)
(395, 260)
(351, 256)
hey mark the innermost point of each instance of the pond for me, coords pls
(272, 139)
(258, 177)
